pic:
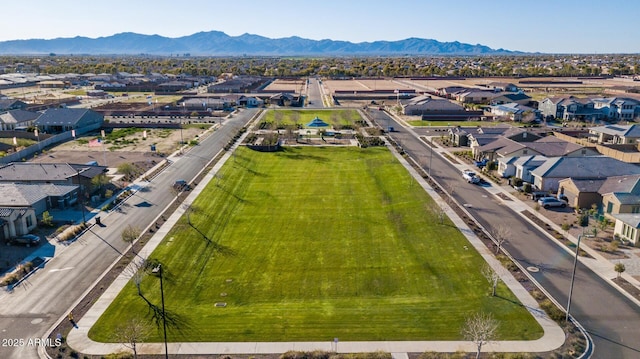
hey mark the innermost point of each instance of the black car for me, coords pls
(26, 239)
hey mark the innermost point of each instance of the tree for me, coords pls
(492, 277)
(480, 328)
(501, 234)
(130, 234)
(132, 332)
(47, 219)
(99, 181)
(127, 169)
(619, 268)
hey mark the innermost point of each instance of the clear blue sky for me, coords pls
(560, 26)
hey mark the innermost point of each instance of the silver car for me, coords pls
(548, 202)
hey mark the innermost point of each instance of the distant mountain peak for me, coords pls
(217, 43)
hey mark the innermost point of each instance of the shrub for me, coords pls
(552, 310)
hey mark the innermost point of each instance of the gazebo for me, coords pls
(317, 122)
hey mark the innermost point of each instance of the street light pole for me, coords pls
(80, 195)
(158, 270)
(573, 276)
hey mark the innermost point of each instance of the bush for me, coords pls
(552, 310)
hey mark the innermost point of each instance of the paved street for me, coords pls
(35, 305)
(609, 316)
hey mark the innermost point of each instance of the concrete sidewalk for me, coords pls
(553, 335)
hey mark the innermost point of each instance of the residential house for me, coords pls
(620, 194)
(488, 135)
(17, 119)
(52, 173)
(549, 146)
(204, 104)
(449, 92)
(569, 109)
(16, 221)
(548, 175)
(581, 193)
(627, 227)
(515, 112)
(617, 108)
(518, 97)
(21, 204)
(476, 96)
(422, 105)
(56, 120)
(459, 136)
(11, 104)
(526, 164)
(615, 134)
(503, 86)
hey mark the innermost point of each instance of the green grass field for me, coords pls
(336, 118)
(310, 244)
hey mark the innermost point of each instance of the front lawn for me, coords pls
(311, 244)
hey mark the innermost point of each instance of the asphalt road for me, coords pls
(611, 319)
(34, 306)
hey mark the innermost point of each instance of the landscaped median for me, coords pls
(310, 244)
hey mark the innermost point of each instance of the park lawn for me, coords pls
(335, 118)
(311, 244)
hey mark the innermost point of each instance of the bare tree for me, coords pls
(438, 211)
(480, 328)
(492, 277)
(132, 332)
(130, 233)
(136, 271)
(501, 233)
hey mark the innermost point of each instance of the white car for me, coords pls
(470, 177)
(547, 202)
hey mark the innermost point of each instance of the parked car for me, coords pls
(548, 202)
(470, 177)
(26, 239)
(181, 185)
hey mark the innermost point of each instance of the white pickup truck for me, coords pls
(470, 177)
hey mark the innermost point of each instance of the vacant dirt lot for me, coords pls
(137, 150)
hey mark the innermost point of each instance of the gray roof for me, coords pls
(586, 185)
(551, 146)
(18, 116)
(62, 116)
(40, 172)
(627, 198)
(623, 184)
(531, 160)
(584, 167)
(632, 219)
(25, 195)
(619, 130)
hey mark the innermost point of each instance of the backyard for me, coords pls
(310, 244)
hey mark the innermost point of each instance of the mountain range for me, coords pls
(216, 43)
